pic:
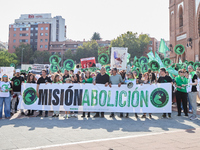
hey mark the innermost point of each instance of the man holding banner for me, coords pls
(43, 79)
(102, 78)
(115, 79)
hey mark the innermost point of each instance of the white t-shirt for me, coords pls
(4, 86)
(76, 70)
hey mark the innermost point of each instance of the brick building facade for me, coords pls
(185, 28)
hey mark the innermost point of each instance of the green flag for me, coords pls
(151, 56)
(163, 47)
(157, 58)
(180, 62)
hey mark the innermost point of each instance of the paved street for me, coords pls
(77, 133)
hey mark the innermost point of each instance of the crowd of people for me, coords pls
(185, 88)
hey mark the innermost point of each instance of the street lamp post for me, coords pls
(22, 57)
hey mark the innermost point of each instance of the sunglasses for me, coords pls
(181, 72)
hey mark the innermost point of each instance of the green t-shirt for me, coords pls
(90, 80)
(179, 82)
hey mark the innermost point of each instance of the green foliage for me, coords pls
(27, 53)
(96, 36)
(7, 58)
(40, 57)
(89, 49)
(136, 44)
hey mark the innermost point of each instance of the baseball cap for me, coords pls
(17, 71)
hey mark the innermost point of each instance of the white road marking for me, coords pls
(99, 140)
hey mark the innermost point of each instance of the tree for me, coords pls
(27, 53)
(136, 45)
(40, 57)
(7, 58)
(96, 36)
(89, 49)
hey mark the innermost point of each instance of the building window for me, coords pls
(46, 28)
(41, 34)
(14, 41)
(75, 45)
(180, 16)
(46, 34)
(41, 40)
(32, 28)
(42, 28)
(27, 29)
(45, 46)
(150, 48)
(41, 46)
(20, 29)
(14, 29)
(59, 53)
(31, 34)
(52, 53)
(14, 35)
(36, 34)
(46, 40)
(36, 28)
(36, 40)
(23, 34)
(26, 41)
(31, 40)
(14, 46)
(150, 43)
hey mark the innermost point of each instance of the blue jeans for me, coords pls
(190, 106)
(6, 102)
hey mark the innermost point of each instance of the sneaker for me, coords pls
(96, 116)
(191, 116)
(143, 116)
(190, 111)
(22, 113)
(65, 116)
(75, 115)
(72, 115)
(150, 116)
(112, 115)
(194, 118)
(54, 115)
(39, 115)
(169, 116)
(57, 115)
(69, 116)
(164, 116)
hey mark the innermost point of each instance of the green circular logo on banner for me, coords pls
(107, 68)
(54, 60)
(29, 96)
(144, 68)
(12, 65)
(16, 82)
(143, 60)
(154, 65)
(159, 97)
(196, 64)
(103, 59)
(167, 62)
(68, 64)
(179, 49)
(136, 63)
(54, 68)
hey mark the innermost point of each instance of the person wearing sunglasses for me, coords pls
(5, 99)
(181, 94)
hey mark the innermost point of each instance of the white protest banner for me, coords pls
(119, 57)
(156, 98)
(8, 71)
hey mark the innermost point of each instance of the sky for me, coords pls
(110, 18)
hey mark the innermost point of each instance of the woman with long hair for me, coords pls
(30, 79)
(131, 78)
(56, 80)
(145, 80)
(88, 79)
(5, 99)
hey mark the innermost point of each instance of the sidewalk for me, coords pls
(177, 140)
